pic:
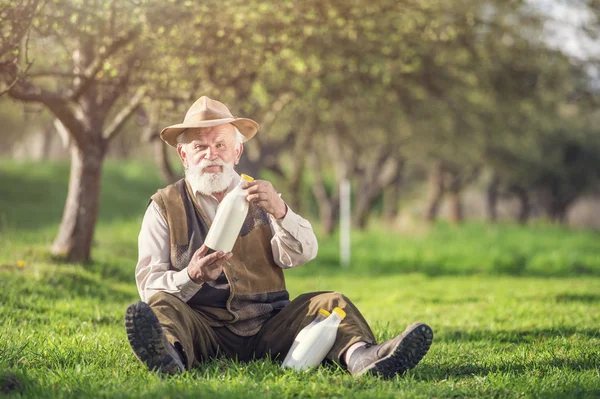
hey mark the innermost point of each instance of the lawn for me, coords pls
(515, 310)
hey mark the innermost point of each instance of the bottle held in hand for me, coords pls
(229, 219)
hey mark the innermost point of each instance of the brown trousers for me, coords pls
(188, 330)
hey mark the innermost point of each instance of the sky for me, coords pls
(566, 17)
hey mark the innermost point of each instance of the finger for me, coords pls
(201, 251)
(208, 259)
(257, 197)
(246, 184)
(216, 262)
(253, 189)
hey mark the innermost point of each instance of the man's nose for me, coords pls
(211, 154)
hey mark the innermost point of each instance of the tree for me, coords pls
(87, 87)
(16, 17)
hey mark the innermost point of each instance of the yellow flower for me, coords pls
(20, 263)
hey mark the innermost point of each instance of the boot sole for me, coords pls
(148, 340)
(407, 353)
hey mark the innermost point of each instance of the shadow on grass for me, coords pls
(68, 282)
(516, 337)
(328, 266)
(441, 372)
(36, 199)
(582, 298)
(114, 271)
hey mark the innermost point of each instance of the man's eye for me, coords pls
(220, 145)
(200, 147)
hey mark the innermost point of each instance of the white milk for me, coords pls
(228, 221)
(317, 342)
(322, 315)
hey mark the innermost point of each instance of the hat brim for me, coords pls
(247, 128)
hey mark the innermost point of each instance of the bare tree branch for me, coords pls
(120, 119)
(96, 65)
(113, 93)
(279, 104)
(59, 74)
(58, 105)
(63, 133)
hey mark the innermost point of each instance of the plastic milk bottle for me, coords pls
(228, 221)
(317, 342)
(322, 315)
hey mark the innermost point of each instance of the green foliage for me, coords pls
(465, 84)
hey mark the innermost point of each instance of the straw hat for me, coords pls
(206, 112)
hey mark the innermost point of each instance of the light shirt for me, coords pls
(293, 244)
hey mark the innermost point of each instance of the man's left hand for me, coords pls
(263, 194)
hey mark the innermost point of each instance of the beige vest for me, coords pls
(252, 287)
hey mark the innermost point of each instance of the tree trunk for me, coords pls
(492, 199)
(456, 209)
(391, 196)
(162, 161)
(379, 175)
(328, 207)
(361, 213)
(454, 189)
(559, 203)
(295, 185)
(436, 192)
(76, 231)
(365, 197)
(558, 213)
(47, 135)
(251, 168)
(524, 207)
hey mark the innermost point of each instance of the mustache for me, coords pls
(205, 163)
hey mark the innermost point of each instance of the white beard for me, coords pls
(209, 183)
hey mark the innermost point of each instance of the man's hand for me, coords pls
(206, 268)
(262, 193)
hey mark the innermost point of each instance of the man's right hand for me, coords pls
(206, 268)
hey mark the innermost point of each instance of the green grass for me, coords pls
(516, 311)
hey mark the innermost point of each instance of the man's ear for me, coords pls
(238, 153)
(182, 155)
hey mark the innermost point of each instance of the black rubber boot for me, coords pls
(149, 342)
(395, 356)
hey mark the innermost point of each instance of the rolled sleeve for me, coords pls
(294, 243)
(153, 272)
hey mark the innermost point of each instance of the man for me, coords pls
(198, 305)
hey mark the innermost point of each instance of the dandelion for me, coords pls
(20, 263)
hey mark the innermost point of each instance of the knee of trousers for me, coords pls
(162, 298)
(337, 298)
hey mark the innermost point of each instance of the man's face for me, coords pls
(209, 155)
(211, 143)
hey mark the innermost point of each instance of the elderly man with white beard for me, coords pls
(197, 305)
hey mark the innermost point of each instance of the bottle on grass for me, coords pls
(317, 342)
(321, 315)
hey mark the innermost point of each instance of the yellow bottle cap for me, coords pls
(324, 313)
(246, 177)
(340, 312)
